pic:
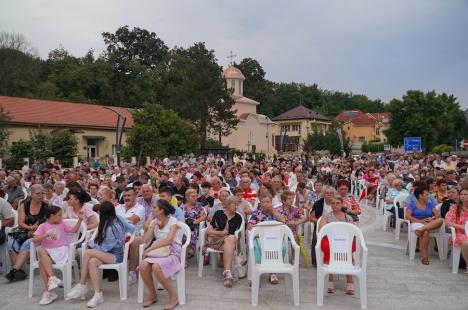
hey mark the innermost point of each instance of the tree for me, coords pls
(63, 144)
(4, 133)
(160, 132)
(328, 140)
(21, 149)
(16, 41)
(134, 55)
(41, 143)
(193, 86)
(436, 118)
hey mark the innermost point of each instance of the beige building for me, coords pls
(255, 132)
(360, 127)
(93, 125)
(295, 125)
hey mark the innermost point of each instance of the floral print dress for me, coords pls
(193, 213)
(451, 217)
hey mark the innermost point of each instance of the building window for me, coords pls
(296, 127)
(114, 149)
(362, 139)
(377, 131)
(233, 84)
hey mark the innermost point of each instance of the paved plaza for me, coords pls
(394, 282)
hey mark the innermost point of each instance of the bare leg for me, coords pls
(133, 253)
(45, 263)
(424, 243)
(93, 266)
(166, 283)
(349, 279)
(433, 225)
(20, 259)
(228, 249)
(147, 276)
(464, 250)
(45, 279)
(105, 258)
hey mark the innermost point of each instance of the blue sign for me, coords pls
(413, 144)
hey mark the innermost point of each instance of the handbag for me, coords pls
(240, 260)
(19, 235)
(160, 252)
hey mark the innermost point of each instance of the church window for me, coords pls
(233, 84)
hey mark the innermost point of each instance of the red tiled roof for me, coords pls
(360, 118)
(47, 112)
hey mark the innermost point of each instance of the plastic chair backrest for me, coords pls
(340, 237)
(187, 233)
(270, 238)
(400, 201)
(466, 228)
(317, 226)
(80, 235)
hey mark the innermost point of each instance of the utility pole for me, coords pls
(118, 132)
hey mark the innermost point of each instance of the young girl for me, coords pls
(106, 248)
(52, 236)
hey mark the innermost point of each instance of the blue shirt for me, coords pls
(432, 202)
(391, 194)
(421, 214)
(114, 238)
(178, 214)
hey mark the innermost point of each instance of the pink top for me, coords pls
(451, 217)
(86, 210)
(60, 231)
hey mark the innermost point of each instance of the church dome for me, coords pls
(233, 73)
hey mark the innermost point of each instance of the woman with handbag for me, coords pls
(163, 256)
(31, 213)
(220, 233)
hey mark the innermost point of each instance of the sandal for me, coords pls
(150, 302)
(349, 289)
(227, 278)
(425, 261)
(274, 279)
(331, 287)
(169, 307)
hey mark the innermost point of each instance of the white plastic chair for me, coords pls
(4, 257)
(66, 268)
(340, 236)
(400, 202)
(121, 268)
(456, 251)
(437, 234)
(212, 252)
(180, 276)
(271, 236)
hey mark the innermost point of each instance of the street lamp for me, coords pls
(118, 132)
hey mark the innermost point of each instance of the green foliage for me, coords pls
(329, 141)
(212, 143)
(63, 146)
(192, 85)
(41, 143)
(442, 148)
(4, 133)
(22, 149)
(159, 132)
(436, 118)
(373, 147)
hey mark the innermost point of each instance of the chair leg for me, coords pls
(201, 261)
(320, 287)
(31, 281)
(295, 279)
(363, 291)
(397, 230)
(141, 289)
(412, 245)
(255, 288)
(123, 278)
(181, 287)
(455, 259)
(440, 247)
(214, 260)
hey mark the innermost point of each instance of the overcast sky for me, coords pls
(380, 48)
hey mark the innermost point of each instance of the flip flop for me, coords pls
(170, 308)
(148, 303)
(349, 289)
(331, 287)
(274, 279)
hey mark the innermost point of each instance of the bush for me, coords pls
(372, 147)
(21, 149)
(442, 148)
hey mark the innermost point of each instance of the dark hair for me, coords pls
(144, 177)
(79, 194)
(301, 185)
(128, 188)
(166, 189)
(206, 184)
(418, 191)
(107, 217)
(166, 207)
(137, 183)
(52, 210)
(441, 181)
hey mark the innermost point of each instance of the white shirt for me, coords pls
(326, 208)
(137, 210)
(161, 233)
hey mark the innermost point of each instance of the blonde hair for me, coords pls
(189, 192)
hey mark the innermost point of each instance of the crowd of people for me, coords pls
(149, 200)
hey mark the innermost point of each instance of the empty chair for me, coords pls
(273, 238)
(340, 236)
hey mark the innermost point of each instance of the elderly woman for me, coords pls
(336, 215)
(266, 212)
(350, 205)
(220, 233)
(395, 189)
(31, 213)
(457, 218)
(194, 214)
(423, 217)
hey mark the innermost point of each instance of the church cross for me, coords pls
(231, 57)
